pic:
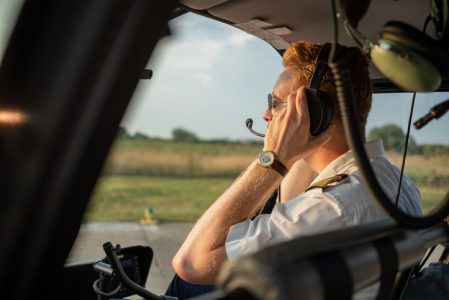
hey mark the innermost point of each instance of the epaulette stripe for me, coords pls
(328, 181)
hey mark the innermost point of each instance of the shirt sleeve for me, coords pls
(309, 213)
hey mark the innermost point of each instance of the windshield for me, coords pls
(183, 140)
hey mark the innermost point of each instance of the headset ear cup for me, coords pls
(320, 111)
(410, 58)
(407, 69)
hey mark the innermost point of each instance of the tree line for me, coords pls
(393, 138)
(181, 135)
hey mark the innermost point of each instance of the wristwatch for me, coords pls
(268, 159)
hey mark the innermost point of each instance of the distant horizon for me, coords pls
(249, 139)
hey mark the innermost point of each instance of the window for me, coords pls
(184, 140)
(427, 158)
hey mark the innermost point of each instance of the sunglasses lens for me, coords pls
(274, 104)
(270, 101)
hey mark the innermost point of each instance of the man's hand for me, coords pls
(288, 134)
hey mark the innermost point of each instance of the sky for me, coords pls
(209, 78)
(395, 108)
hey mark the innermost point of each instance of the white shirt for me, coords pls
(318, 210)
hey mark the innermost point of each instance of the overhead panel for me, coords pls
(280, 22)
(266, 32)
(311, 20)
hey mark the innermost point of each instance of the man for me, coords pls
(335, 199)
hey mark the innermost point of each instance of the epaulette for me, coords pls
(327, 182)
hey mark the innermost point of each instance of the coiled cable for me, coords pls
(348, 112)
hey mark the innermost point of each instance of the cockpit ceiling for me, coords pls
(311, 20)
(280, 22)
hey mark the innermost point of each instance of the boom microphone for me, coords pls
(249, 125)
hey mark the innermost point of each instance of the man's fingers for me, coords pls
(291, 104)
(301, 102)
(302, 109)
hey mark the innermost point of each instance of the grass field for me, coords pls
(162, 158)
(179, 181)
(121, 198)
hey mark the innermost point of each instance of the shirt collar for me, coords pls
(339, 165)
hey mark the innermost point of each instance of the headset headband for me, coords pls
(321, 65)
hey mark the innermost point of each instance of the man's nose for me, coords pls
(267, 116)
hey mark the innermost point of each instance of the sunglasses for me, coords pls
(275, 104)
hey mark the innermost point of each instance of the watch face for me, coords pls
(266, 158)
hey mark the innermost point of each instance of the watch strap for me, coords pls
(279, 167)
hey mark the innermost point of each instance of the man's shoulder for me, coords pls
(351, 196)
(341, 188)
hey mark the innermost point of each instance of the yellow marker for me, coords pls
(148, 217)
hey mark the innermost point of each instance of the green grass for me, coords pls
(125, 198)
(180, 180)
(121, 198)
(431, 196)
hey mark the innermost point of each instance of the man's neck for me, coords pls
(324, 156)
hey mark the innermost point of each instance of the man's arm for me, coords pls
(200, 257)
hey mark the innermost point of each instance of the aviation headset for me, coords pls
(408, 57)
(320, 107)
